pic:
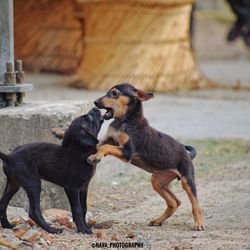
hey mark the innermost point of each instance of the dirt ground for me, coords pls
(123, 193)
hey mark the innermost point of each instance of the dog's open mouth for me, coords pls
(109, 114)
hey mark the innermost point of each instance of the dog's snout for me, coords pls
(98, 103)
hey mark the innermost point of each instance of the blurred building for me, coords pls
(108, 41)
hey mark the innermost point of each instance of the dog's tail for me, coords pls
(191, 150)
(3, 157)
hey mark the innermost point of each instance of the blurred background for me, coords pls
(94, 44)
(219, 59)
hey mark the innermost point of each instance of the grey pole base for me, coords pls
(12, 95)
(17, 88)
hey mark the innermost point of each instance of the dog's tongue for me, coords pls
(108, 115)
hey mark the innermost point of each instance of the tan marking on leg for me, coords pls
(160, 183)
(178, 201)
(195, 206)
(120, 137)
(104, 151)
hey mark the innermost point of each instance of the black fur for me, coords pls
(64, 165)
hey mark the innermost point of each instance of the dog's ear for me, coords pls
(143, 96)
(87, 139)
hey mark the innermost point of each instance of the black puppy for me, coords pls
(64, 165)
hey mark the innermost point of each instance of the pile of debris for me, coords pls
(26, 234)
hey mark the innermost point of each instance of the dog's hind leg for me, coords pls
(33, 190)
(188, 185)
(174, 196)
(76, 208)
(160, 183)
(11, 188)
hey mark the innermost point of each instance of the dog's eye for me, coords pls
(115, 94)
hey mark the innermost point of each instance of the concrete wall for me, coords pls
(32, 122)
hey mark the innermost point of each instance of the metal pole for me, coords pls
(11, 94)
(6, 36)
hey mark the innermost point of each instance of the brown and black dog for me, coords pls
(131, 139)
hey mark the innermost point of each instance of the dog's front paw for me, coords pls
(156, 222)
(84, 230)
(93, 159)
(8, 225)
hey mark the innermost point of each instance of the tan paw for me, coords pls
(198, 226)
(58, 133)
(156, 222)
(93, 159)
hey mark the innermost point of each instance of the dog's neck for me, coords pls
(135, 114)
(80, 149)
